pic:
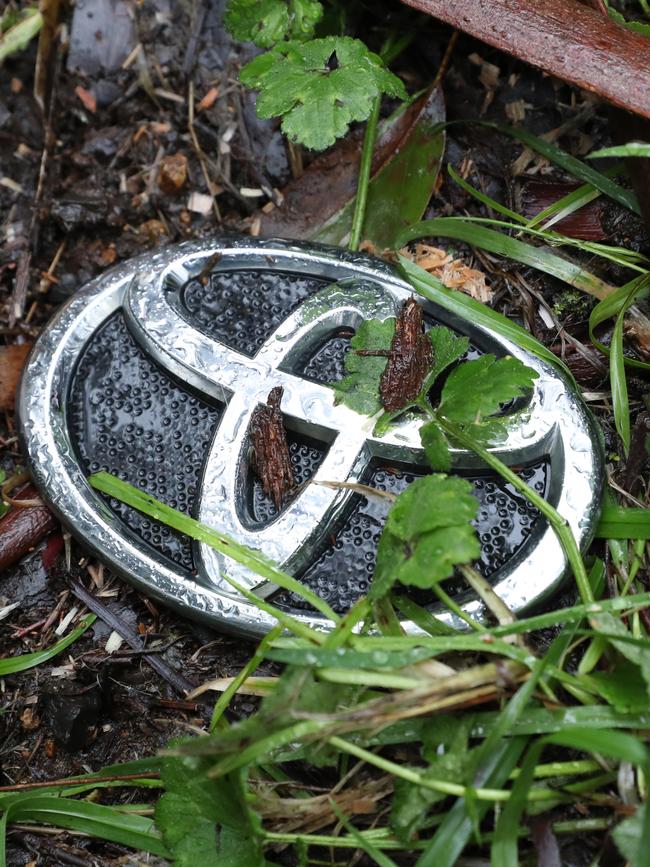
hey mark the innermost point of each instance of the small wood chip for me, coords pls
(208, 100)
(270, 457)
(172, 174)
(115, 641)
(408, 361)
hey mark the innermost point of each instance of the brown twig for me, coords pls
(64, 783)
(176, 680)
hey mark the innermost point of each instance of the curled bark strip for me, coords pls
(564, 38)
(22, 529)
(409, 359)
(270, 459)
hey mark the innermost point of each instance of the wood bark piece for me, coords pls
(12, 361)
(271, 459)
(409, 359)
(22, 529)
(562, 37)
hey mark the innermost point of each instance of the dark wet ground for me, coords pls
(105, 196)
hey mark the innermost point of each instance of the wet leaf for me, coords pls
(205, 821)
(427, 533)
(477, 389)
(266, 22)
(316, 103)
(360, 388)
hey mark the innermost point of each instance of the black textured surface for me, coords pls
(344, 569)
(327, 364)
(129, 418)
(241, 308)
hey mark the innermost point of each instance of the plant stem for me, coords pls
(364, 176)
(252, 664)
(457, 610)
(559, 524)
(444, 786)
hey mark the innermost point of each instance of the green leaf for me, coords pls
(360, 388)
(410, 802)
(206, 821)
(638, 653)
(317, 103)
(427, 533)
(448, 347)
(14, 664)
(436, 447)
(266, 22)
(628, 834)
(476, 390)
(623, 687)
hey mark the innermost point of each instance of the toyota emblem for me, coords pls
(154, 370)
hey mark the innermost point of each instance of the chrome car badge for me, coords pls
(153, 371)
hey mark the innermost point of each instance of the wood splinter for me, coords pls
(270, 457)
(409, 359)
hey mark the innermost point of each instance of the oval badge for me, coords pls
(154, 370)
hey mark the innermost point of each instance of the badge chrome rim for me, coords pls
(569, 435)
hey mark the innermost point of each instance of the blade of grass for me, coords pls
(617, 522)
(580, 170)
(564, 206)
(612, 306)
(604, 742)
(462, 305)
(15, 664)
(631, 149)
(254, 560)
(364, 843)
(457, 825)
(482, 197)
(108, 823)
(540, 258)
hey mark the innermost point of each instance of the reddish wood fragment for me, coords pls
(22, 529)
(12, 361)
(270, 459)
(585, 223)
(564, 38)
(409, 359)
(87, 98)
